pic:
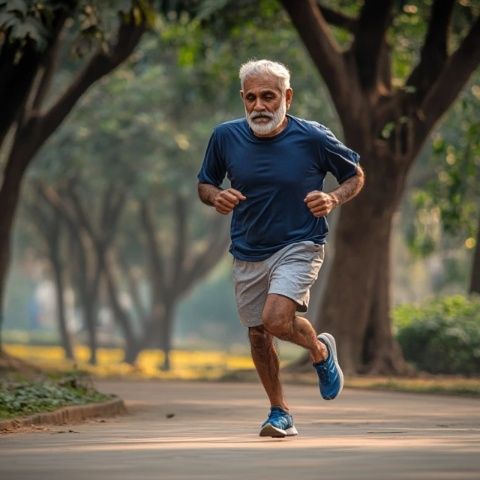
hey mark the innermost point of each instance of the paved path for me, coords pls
(180, 431)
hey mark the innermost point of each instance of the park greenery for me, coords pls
(442, 335)
(101, 178)
(29, 391)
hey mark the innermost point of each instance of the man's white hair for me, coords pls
(255, 68)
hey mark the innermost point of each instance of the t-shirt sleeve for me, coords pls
(213, 168)
(337, 158)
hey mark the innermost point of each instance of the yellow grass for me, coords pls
(212, 365)
(186, 365)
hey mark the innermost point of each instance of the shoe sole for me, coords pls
(269, 430)
(330, 341)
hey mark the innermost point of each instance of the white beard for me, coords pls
(276, 118)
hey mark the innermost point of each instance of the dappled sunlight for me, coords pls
(392, 441)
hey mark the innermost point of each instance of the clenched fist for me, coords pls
(320, 203)
(226, 200)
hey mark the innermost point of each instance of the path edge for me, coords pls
(65, 415)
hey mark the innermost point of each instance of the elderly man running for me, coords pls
(276, 164)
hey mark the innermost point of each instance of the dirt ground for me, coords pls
(194, 430)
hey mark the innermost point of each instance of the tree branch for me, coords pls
(324, 50)
(49, 63)
(52, 198)
(154, 250)
(81, 214)
(129, 35)
(114, 200)
(41, 125)
(207, 258)
(16, 80)
(132, 286)
(338, 19)
(434, 51)
(455, 74)
(19, 77)
(47, 228)
(120, 314)
(375, 18)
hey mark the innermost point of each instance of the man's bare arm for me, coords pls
(224, 201)
(349, 188)
(321, 203)
(207, 193)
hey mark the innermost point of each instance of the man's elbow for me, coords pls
(201, 191)
(360, 176)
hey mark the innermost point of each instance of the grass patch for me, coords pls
(22, 397)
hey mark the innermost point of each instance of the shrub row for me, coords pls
(442, 335)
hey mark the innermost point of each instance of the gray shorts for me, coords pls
(289, 272)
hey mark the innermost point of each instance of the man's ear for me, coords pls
(241, 94)
(288, 97)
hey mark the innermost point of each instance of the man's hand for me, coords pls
(321, 203)
(226, 200)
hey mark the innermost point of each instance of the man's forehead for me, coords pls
(262, 82)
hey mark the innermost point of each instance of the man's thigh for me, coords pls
(251, 281)
(279, 307)
(287, 274)
(295, 271)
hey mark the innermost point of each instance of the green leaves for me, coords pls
(21, 23)
(449, 202)
(28, 397)
(442, 335)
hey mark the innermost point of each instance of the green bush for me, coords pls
(442, 335)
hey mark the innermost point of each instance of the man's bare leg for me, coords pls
(280, 320)
(266, 362)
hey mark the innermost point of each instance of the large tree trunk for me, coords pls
(166, 335)
(121, 316)
(60, 300)
(49, 228)
(387, 125)
(90, 319)
(86, 286)
(357, 297)
(9, 197)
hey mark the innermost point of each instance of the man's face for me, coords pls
(265, 104)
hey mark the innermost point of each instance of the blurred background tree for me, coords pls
(445, 202)
(37, 40)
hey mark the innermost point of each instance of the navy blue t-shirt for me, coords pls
(275, 174)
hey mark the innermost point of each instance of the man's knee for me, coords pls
(277, 322)
(259, 338)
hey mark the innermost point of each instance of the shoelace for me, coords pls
(276, 414)
(323, 372)
(326, 372)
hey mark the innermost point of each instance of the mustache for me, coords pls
(255, 115)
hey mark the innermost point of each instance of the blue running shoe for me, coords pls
(329, 372)
(278, 424)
